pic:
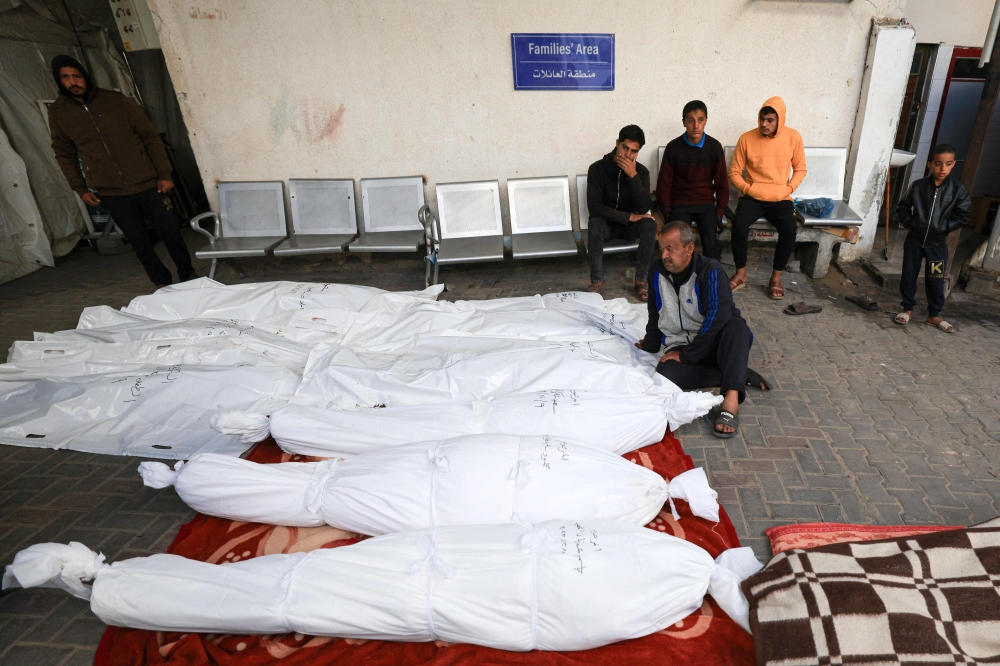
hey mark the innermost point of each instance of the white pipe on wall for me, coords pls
(991, 35)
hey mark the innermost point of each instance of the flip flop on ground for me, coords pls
(757, 381)
(726, 419)
(864, 302)
(903, 318)
(802, 308)
(943, 325)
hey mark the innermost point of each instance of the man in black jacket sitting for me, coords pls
(934, 207)
(695, 325)
(619, 202)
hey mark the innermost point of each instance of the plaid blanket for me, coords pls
(927, 599)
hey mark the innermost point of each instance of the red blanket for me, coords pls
(706, 637)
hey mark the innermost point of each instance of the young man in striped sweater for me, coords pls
(693, 184)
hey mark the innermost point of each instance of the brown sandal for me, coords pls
(775, 291)
(734, 284)
(642, 290)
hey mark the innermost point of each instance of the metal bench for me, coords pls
(250, 222)
(825, 173)
(469, 227)
(541, 222)
(323, 217)
(815, 240)
(610, 247)
(390, 207)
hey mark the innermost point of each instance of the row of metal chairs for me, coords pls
(467, 229)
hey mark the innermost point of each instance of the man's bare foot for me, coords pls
(731, 404)
(739, 279)
(774, 289)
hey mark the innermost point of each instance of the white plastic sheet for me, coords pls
(616, 422)
(105, 324)
(208, 299)
(562, 585)
(449, 369)
(224, 350)
(469, 480)
(157, 411)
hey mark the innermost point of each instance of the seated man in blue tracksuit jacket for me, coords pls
(695, 325)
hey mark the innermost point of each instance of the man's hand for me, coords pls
(164, 186)
(626, 165)
(91, 199)
(635, 217)
(671, 356)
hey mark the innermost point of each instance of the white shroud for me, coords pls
(470, 480)
(141, 410)
(453, 369)
(617, 422)
(564, 585)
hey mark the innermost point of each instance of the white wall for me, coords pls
(955, 22)
(366, 89)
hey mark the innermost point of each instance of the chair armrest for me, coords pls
(196, 225)
(427, 218)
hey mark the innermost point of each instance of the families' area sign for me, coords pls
(555, 61)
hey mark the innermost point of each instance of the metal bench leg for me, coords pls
(211, 271)
(236, 267)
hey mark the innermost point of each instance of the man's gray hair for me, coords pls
(687, 236)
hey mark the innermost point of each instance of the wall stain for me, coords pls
(282, 115)
(331, 130)
(305, 123)
(199, 13)
(874, 184)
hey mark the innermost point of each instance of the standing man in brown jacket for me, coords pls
(123, 159)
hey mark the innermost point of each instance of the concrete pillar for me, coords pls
(887, 68)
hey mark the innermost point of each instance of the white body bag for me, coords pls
(617, 422)
(140, 410)
(470, 480)
(452, 369)
(564, 585)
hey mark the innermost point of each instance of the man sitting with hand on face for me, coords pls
(697, 328)
(618, 199)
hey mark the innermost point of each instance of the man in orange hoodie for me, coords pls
(768, 154)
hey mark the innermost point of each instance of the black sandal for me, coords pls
(755, 380)
(727, 419)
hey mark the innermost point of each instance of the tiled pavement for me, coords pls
(868, 422)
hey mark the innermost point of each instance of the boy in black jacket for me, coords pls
(934, 207)
(695, 324)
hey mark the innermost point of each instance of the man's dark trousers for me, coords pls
(725, 366)
(934, 272)
(707, 220)
(130, 213)
(600, 230)
(781, 215)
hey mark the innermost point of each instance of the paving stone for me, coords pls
(752, 500)
(807, 462)
(915, 509)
